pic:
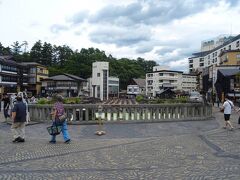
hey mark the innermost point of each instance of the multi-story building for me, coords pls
(101, 85)
(162, 78)
(211, 57)
(13, 75)
(189, 82)
(230, 57)
(210, 44)
(36, 73)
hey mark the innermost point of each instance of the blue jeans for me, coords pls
(64, 132)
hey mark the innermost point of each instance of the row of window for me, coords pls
(13, 79)
(9, 68)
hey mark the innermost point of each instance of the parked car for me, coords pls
(195, 96)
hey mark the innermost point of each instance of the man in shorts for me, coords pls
(227, 106)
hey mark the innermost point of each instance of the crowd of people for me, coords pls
(15, 108)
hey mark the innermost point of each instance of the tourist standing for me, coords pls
(19, 118)
(6, 104)
(227, 107)
(58, 110)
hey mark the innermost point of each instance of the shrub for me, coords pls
(43, 101)
(139, 98)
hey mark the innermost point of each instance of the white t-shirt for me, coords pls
(228, 105)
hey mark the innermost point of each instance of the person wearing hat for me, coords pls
(19, 118)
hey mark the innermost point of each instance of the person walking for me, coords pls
(19, 119)
(6, 105)
(58, 110)
(227, 108)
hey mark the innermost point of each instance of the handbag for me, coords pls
(62, 118)
(222, 110)
(54, 130)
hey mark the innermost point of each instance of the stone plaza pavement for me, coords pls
(169, 150)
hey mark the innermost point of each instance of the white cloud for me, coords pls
(169, 40)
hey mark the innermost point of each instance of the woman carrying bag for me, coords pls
(59, 119)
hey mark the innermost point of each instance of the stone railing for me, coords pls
(89, 113)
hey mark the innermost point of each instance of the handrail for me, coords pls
(88, 113)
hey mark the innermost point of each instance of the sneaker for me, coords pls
(52, 142)
(16, 140)
(21, 140)
(68, 141)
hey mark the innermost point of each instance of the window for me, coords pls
(98, 74)
(201, 59)
(208, 56)
(171, 74)
(229, 47)
(190, 61)
(238, 56)
(201, 64)
(237, 44)
(160, 74)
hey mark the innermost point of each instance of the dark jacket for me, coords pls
(21, 113)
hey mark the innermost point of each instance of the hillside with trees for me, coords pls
(61, 59)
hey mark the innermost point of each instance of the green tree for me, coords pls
(36, 52)
(47, 54)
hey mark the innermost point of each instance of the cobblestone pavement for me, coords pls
(174, 150)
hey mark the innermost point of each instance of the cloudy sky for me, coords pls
(167, 31)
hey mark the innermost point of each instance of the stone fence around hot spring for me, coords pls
(89, 113)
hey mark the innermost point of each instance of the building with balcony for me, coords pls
(36, 73)
(13, 75)
(211, 56)
(230, 57)
(162, 79)
(66, 84)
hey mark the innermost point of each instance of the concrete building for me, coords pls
(211, 57)
(189, 82)
(161, 79)
(101, 85)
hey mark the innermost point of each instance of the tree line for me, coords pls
(61, 59)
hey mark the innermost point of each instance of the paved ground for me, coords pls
(183, 150)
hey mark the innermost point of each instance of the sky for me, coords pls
(166, 31)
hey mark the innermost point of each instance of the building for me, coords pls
(230, 57)
(13, 75)
(66, 84)
(137, 87)
(210, 44)
(189, 82)
(211, 57)
(103, 86)
(36, 73)
(161, 79)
